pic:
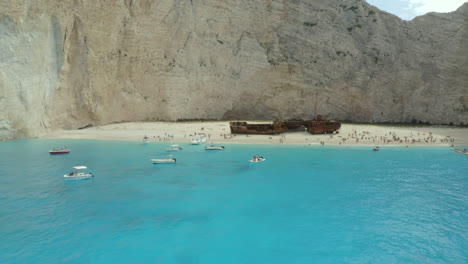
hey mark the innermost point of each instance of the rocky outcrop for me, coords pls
(67, 64)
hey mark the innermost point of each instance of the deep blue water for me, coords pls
(302, 205)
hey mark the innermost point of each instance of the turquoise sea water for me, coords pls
(302, 205)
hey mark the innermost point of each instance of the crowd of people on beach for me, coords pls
(391, 137)
(353, 137)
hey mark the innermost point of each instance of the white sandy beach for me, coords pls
(219, 132)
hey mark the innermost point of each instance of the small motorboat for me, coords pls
(63, 150)
(376, 148)
(196, 141)
(213, 147)
(77, 175)
(199, 139)
(174, 148)
(257, 159)
(164, 161)
(460, 151)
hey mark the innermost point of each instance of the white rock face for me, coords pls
(67, 64)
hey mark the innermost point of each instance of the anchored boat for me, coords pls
(196, 141)
(174, 148)
(164, 161)
(77, 175)
(257, 159)
(63, 150)
(213, 147)
(199, 139)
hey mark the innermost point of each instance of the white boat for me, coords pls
(174, 148)
(59, 151)
(464, 151)
(63, 150)
(213, 147)
(257, 159)
(199, 139)
(77, 175)
(196, 141)
(163, 161)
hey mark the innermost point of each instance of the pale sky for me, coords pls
(408, 9)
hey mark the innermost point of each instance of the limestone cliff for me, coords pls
(66, 64)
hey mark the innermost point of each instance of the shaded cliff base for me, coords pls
(219, 133)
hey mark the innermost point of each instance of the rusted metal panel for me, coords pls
(323, 127)
(295, 125)
(256, 129)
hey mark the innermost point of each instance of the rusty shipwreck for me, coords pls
(316, 126)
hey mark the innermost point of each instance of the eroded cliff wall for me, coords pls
(66, 64)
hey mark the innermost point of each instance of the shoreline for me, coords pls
(218, 132)
(208, 143)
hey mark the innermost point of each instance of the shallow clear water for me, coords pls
(302, 205)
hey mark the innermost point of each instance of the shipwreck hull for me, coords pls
(323, 127)
(253, 129)
(294, 125)
(313, 127)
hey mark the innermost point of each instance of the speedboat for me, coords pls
(59, 151)
(174, 148)
(257, 159)
(376, 148)
(460, 151)
(63, 150)
(77, 175)
(213, 147)
(164, 161)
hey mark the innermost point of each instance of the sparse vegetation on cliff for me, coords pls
(310, 24)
